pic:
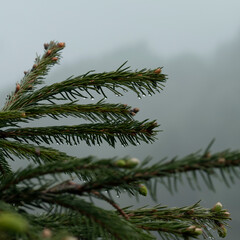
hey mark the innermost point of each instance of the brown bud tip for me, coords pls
(25, 72)
(226, 214)
(46, 45)
(132, 113)
(54, 59)
(17, 87)
(158, 70)
(34, 66)
(46, 233)
(61, 44)
(221, 160)
(48, 52)
(136, 110)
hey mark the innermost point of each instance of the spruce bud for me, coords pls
(217, 207)
(120, 163)
(222, 232)
(13, 223)
(158, 71)
(46, 233)
(198, 231)
(136, 110)
(142, 189)
(34, 66)
(226, 214)
(17, 87)
(61, 44)
(132, 162)
(54, 59)
(48, 52)
(46, 45)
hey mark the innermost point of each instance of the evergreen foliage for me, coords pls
(35, 201)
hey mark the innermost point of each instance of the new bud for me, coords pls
(198, 231)
(222, 232)
(132, 162)
(217, 207)
(46, 233)
(61, 44)
(12, 223)
(120, 163)
(17, 87)
(142, 189)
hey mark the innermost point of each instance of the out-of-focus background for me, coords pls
(197, 43)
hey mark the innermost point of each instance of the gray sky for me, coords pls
(92, 28)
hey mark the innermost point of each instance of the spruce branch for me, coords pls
(103, 218)
(226, 161)
(100, 111)
(85, 168)
(179, 221)
(4, 166)
(36, 75)
(129, 132)
(39, 154)
(141, 82)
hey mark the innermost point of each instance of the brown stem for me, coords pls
(100, 195)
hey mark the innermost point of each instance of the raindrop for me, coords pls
(92, 98)
(144, 95)
(139, 97)
(118, 196)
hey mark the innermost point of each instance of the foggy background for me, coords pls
(197, 43)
